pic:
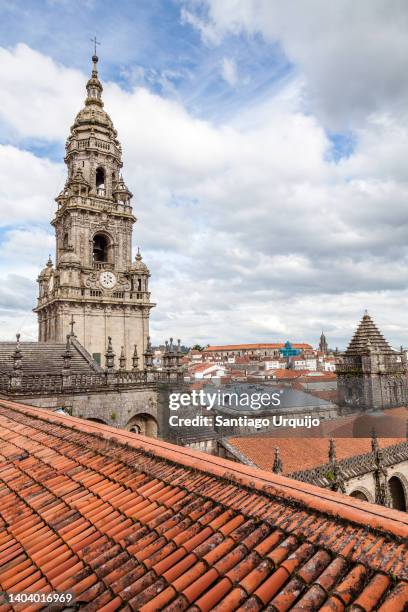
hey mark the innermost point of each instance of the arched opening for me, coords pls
(359, 495)
(143, 424)
(100, 181)
(101, 248)
(65, 241)
(397, 494)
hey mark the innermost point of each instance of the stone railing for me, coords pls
(354, 466)
(359, 364)
(17, 383)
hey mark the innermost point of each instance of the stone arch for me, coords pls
(144, 424)
(362, 493)
(102, 247)
(100, 180)
(398, 492)
(96, 420)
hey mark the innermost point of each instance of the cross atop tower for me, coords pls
(71, 324)
(95, 42)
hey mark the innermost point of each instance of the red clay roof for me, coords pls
(238, 347)
(129, 522)
(282, 373)
(301, 453)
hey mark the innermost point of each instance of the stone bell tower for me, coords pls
(94, 282)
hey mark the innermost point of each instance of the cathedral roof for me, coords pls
(125, 521)
(45, 358)
(367, 337)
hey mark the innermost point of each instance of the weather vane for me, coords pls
(95, 42)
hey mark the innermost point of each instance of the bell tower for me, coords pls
(94, 281)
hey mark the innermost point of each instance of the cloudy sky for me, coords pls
(265, 143)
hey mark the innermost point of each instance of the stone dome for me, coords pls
(47, 271)
(93, 114)
(138, 266)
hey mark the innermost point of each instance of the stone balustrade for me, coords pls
(17, 383)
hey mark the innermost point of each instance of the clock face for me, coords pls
(107, 279)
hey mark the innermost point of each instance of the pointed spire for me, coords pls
(94, 87)
(122, 359)
(135, 359)
(368, 337)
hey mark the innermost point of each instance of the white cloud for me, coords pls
(229, 71)
(38, 96)
(28, 186)
(353, 54)
(249, 231)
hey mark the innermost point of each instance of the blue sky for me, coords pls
(265, 144)
(150, 36)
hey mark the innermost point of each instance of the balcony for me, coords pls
(103, 265)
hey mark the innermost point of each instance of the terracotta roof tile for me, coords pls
(302, 453)
(133, 523)
(397, 599)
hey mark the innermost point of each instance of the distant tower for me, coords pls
(94, 278)
(323, 348)
(370, 374)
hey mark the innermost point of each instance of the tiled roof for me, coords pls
(366, 335)
(282, 373)
(238, 347)
(46, 357)
(301, 453)
(129, 522)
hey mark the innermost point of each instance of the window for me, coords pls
(100, 181)
(97, 357)
(101, 248)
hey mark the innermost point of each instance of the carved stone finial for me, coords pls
(67, 355)
(122, 359)
(148, 354)
(332, 451)
(277, 467)
(71, 324)
(17, 354)
(374, 440)
(110, 356)
(135, 359)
